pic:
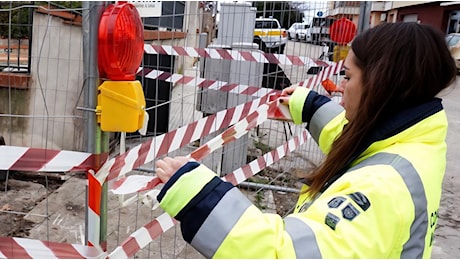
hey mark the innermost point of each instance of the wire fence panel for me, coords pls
(41, 80)
(206, 67)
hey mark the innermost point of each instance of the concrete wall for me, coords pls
(56, 83)
(55, 90)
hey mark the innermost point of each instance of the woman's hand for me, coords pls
(285, 93)
(166, 167)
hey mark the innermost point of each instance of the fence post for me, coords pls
(97, 140)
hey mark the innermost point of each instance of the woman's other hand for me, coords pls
(166, 167)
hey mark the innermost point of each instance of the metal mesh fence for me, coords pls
(182, 91)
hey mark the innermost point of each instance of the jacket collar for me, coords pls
(391, 127)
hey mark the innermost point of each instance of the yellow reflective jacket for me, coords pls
(384, 206)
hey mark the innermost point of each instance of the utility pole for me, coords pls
(364, 16)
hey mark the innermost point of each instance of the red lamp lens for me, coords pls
(121, 42)
(343, 31)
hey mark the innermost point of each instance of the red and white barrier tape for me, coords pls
(136, 183)
(238, 55)
(143, 236)
(173, 140)
(152, 149)
(23, 248)
(35, 159)
(325, 73)
(43, 160)
(235, 88)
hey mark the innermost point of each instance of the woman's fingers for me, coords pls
(288, 91)
(166, 167)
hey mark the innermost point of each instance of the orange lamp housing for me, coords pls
(121, 42)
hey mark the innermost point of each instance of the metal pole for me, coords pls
(31, 22)
(364, 16)
(97, 141)
(91, 14)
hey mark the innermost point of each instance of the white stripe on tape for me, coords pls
(10, 155)
(165, 221)
(142, 237)
(35, 248)
(65, 161)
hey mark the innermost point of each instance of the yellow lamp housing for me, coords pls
(340, 52)
(121, 106)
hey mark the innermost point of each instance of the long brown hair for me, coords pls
(403, 65)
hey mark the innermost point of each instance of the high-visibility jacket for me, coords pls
(384, 206)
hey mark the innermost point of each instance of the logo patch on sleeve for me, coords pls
(361, 200)
(350, 212)
(335, 202)
(331, 220)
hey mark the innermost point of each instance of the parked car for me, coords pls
(270, 36)
(299, 31)
(453, 42)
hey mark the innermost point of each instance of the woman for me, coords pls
(377, 193)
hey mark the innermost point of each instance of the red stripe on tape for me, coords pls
(246, 109)
(154, 229)
(131, 246)
(189, 133)
(250, 90)
(247, 171)
(227, 118)
(63, 251)
(87, 164)
(116, 167)
(252, 120)
(229, 135)
(224, 54)
(34, 159)
(164, 148)
(295, 60)
(142, 153)
(206, 83)
(159, 49)
(209, 122)
(94, 194)
(247, 56)
(321, 63)
(164, 76)
(271, 58)
(231, 178)
(200, 152)
(261, 162)
(11, 249)
(202, 52)
(151, 184)
(185, 80)
(228, 87)
(144, 71)
(180, 50)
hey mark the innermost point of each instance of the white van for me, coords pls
(299, 32)
(319, 29)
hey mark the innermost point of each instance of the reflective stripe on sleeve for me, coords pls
(303, 238)
(225, 215)
(199, 176)
(296, 103)
(415, 246)
(322, 116)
